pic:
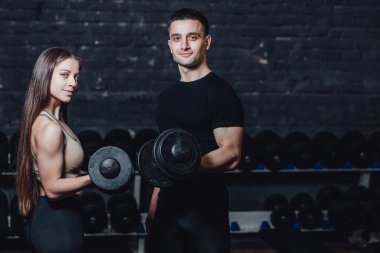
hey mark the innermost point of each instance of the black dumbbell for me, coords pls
(374, 142)
(4, 229)
(327, 148)
(370, 215)
(309, 216)
(368, 205)
(94, 212)
(124, 214)
(17, 220)
(269, 148)
(111, 169)
(248, 159)
(300, 150)
(275, 201)
(4, 150)
(327, 195)
(282, 216)
(357, 149)
(301, 200)
(344, 216)
(173, 156)
(344, 212)
(122, 139)
(144, 136)
(358, 193)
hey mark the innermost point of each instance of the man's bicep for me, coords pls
(228, 136)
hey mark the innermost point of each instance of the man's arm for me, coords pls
(227, 156)
(152, 209)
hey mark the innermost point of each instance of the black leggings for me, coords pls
(56, 226)
(189, 231)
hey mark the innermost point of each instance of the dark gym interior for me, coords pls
(307, 73)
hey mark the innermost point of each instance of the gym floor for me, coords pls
(245, 243)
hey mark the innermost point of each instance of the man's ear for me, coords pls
(208, 41)
(170, 47)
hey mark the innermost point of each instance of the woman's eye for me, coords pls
(65, 75)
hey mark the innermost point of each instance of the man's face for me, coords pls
(188, 43)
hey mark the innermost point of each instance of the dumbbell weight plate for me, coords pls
(94, 212)
(3, 215)
(124, 214)
(283, 218)
(110, 168)
(310, 217)
(177, 153)
(149, 169)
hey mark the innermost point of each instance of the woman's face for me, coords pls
(64, 80)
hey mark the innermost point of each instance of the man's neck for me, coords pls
(189, 75)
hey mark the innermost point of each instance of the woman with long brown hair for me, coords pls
(50, 156)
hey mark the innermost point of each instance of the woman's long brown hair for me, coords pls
(36, 99)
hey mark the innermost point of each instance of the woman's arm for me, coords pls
(49, 144)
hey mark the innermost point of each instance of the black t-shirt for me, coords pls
(199, 107)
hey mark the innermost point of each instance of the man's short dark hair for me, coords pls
(192, 14)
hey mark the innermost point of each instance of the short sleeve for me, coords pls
(227, 109)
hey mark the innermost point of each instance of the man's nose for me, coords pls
(185, 44)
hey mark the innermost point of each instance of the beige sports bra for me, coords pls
(73, 152)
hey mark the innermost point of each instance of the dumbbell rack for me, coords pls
(254, 221)
(242, 221)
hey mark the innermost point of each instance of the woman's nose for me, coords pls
(73, 82)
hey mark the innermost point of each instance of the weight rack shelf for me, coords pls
(258, 171)
(243, 223)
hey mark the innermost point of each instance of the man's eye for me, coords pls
(175, 38)
(193, 37)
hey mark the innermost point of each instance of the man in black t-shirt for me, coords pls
(192, 215)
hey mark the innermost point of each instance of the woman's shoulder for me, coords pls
(44, 127)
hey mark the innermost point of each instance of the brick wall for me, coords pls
(296, 65)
